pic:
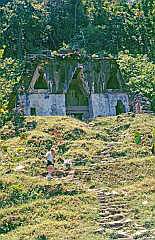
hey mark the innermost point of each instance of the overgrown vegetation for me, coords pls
(104, 152)
(104, 155)
(139, 73)
(95, 26)
(103, 28)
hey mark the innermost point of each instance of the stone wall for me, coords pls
(99, 105)
(45, 104)
(105, 104)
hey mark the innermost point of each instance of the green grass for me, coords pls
(36, 209)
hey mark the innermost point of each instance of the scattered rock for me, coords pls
(145, 202)
(140, 234)
(152, 232)
(100, 231)
(19, 168)
(121, 234)
(112, 193)
(115, 217)
(8, 171)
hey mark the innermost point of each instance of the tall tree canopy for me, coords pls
(95, 25)
(103, 27)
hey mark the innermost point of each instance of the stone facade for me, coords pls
(87, 90)
(45, 104)
(105, 104)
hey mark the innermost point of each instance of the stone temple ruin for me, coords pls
(79, 88)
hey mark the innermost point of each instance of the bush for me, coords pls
(153, 104)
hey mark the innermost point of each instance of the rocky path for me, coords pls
(114, 216)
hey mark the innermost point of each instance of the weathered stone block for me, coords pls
(44, 104)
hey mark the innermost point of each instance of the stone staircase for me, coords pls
(114, 215)
(115, 212)
(115, 208)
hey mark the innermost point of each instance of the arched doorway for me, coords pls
(77, 100)
(41, 83)
(113, 82)
(120, 107)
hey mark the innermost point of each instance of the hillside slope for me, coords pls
(110, 187)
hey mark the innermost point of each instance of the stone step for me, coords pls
(113, 193)
(86, 172)
(102, 190)
(109, 207)
(116, 203)
(141, 233)
(147, 238)
(100, 195)
(112, 197)
(116, 224)
(114, 211)
(121, 198)
(120, 205)
(114, 217)
(123, 235)
(104, 214)
(102, 201)
(129, 238)
(113, 206)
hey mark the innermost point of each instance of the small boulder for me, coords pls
(20, 168)
(100, 231)
(121, 234)
(141, 233)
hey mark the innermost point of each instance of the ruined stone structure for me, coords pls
(71, 86)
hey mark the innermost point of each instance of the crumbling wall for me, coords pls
(93, 77)
(105, 104)
(45, 104)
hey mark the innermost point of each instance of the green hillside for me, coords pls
(108, 194)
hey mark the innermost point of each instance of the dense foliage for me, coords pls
(90, 26)
(108, 26)
(11, 70)
(104, 155)
(10, 77)
(139, 73)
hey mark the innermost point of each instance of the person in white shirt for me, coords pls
(67, 164)
(50, 162)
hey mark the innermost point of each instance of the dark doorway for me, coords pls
(113, 82)
(120, 108)
(33, 111)
(41, 82)
(77, 99)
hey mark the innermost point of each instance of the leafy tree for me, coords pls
(22, 27)
(10, 76)
(92, 26)
(139, 73)
(30, 26)
(95, 25)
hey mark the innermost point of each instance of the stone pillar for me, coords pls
(100, 105)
